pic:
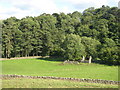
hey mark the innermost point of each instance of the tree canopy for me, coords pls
(95, 32)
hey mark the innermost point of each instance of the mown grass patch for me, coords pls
(42, 67)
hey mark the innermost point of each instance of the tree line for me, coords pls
(94, 32)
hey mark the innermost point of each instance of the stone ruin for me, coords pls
(70, 62)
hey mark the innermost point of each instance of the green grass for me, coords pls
(39, 67)
(50, 83)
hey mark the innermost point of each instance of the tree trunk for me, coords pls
(90, 59)
(83, 59)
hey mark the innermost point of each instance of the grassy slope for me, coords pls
(49, 83)
(52, 68)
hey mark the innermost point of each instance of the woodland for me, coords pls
(94, 32)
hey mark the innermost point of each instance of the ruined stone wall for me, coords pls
(62, 78)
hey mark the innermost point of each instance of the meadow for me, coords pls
(53, 67)
(50, 83)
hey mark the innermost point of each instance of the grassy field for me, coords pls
(50, 83)
(50, 67)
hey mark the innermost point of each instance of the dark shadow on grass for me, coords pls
(106, 63)
(57, 59)
(60, 59)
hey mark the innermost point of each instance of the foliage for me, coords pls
(94, 32)
(73, 48)
(91, 46)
